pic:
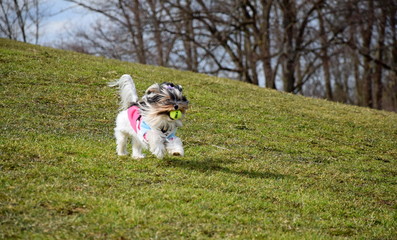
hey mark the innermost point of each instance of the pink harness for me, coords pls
(141, 127)
(137, 124)
(135, 118)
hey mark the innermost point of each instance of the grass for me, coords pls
(259, 164)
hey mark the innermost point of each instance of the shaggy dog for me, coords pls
(151, 121)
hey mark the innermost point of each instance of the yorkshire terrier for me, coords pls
(149, 120)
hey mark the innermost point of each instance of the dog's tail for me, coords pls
(127, 91)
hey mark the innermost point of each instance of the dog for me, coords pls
(148, 120)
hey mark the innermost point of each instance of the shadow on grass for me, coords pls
(214, 165)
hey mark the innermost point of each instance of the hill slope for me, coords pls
(258, 164)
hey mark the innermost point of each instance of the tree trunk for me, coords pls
(325, 57)
(289, 16)
(378, 68)
(188, 40)
(21, 21)
(157, 33)
(247, 46)
(141, 51)
(265, 46)
(367, 38)
(393, 75)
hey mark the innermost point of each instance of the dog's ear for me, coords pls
(155, 88)
(179, 87)
(168, 85)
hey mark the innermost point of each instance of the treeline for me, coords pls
(341, 50)
(20, 19)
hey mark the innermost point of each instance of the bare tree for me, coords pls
(20, 19)
(340, 50)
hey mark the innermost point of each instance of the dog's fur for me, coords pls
(154, 107)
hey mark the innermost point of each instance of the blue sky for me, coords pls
(62, 19)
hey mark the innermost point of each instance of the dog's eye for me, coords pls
(155, 98)
(168, 102)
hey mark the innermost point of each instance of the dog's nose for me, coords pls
(176, 107)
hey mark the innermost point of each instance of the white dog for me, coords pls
(151, 121)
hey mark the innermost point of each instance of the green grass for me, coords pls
(259, 164)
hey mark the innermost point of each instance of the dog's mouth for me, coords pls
(166, 113)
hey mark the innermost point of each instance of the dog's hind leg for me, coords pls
(121, 141)
(137, 149)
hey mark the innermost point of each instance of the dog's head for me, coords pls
(160, 99)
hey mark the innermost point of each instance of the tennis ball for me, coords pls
(175, 114)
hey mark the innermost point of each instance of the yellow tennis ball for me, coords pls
(175, 114)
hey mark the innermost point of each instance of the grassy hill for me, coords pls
(259, 163)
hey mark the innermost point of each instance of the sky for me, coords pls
(62, 19)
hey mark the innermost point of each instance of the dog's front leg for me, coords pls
(156, 143)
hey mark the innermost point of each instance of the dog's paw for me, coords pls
(138, 156)
(122, 153)
(176, 153)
